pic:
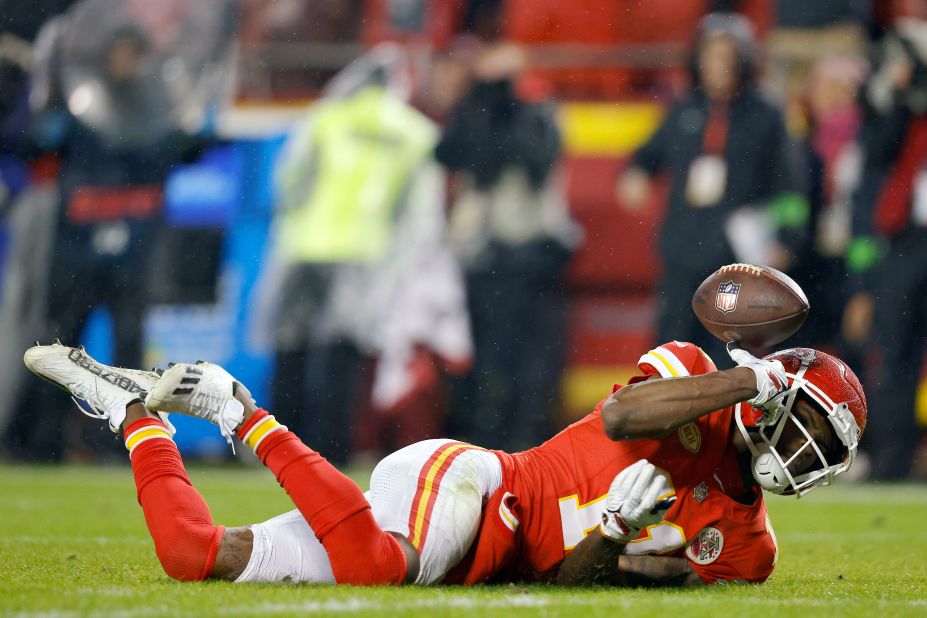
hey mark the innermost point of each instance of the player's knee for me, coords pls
(380, 561)
(179, 569)
(187, 552)
(181, 564)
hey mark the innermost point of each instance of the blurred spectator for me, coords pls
(511, 227)
(26, 209)
(835, 117)
(889, 249)
(448, 79)
(110, 213)
(732, 196)
(358, 267)
(825, 120)
(806, 32)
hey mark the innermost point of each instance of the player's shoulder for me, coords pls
(676, 359)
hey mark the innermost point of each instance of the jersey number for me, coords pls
(578, 520)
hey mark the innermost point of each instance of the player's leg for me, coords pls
(282, 549)
(186, 539)
(189, 545)
(333, 506)
(433, 493)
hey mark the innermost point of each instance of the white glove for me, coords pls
(771, 381)
(634, 502)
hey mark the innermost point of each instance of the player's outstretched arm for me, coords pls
(656, 408)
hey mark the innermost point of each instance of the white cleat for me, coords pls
(100, 391)
(204, 390)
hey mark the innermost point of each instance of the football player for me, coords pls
(661, 484)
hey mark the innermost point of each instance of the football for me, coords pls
(756, 306)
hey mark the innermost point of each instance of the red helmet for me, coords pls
(834, 388)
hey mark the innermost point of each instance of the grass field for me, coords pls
(73, 543)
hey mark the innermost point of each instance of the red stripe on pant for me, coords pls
(359, 551)
(418, 537)
(186, 540)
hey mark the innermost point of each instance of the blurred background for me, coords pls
(403, 219)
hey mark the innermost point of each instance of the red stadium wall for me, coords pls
(612, 275)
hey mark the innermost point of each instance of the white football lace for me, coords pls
(214, 405)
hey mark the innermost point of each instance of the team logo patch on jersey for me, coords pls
(706, 546)
(726, 298)
(700, 492)
(690, 437)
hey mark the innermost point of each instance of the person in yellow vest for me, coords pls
(360, 222)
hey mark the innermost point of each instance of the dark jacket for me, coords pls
(492, 129)
(693, 239)
(88, 160)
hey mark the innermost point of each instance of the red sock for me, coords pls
(359, 551)
(178, 519)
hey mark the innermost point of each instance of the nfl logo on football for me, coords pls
(726, 298)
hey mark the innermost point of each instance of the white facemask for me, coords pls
(769, 468)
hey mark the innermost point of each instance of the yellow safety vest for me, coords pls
(360, 155)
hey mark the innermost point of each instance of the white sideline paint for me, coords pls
(465, 601)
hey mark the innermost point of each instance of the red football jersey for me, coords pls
(552, 496)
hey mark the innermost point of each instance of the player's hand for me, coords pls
(771, 381)
(634, 502)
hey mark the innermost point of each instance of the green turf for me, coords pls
(73, 542)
